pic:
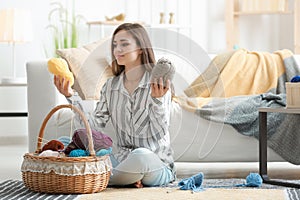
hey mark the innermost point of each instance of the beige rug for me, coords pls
(172, 193)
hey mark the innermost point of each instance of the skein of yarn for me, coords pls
(165, 69)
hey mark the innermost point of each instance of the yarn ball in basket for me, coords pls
(59, 66)
(54, 145)
(50, 153)
(164, 68)
(81, 152)
(80, 141)
(78, 153)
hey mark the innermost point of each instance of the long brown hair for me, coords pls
(141, 37)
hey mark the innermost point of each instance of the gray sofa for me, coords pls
(199, 145)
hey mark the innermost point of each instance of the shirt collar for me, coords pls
(145, 81)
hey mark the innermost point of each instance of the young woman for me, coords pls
(138, 109)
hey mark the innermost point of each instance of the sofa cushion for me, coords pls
(90, 66)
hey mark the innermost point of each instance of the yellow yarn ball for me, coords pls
(59, 66)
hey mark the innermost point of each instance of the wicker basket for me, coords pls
(65, 175)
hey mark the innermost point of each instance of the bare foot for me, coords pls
(138, 184)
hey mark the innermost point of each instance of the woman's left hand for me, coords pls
(158, 89)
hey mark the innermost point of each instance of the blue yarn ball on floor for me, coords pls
(254, 180)
(193, 183)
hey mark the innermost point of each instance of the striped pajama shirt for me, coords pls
(138, 119)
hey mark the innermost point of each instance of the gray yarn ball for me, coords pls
(164, 68)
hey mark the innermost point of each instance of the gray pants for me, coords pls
(140, 165)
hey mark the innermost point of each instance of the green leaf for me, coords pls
(64, 25)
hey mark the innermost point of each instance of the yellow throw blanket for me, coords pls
(236, 73)
(236, 84)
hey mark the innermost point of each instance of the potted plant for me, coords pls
(63, 27)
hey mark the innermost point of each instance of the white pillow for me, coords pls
(89, 66)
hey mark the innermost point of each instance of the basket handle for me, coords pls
(42, 129)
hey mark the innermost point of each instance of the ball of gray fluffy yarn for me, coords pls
(164, 68)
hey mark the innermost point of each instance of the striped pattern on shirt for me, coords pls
(138, 119)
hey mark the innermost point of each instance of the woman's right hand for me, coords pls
(63, 86)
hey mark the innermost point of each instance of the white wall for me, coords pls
(206, 18)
